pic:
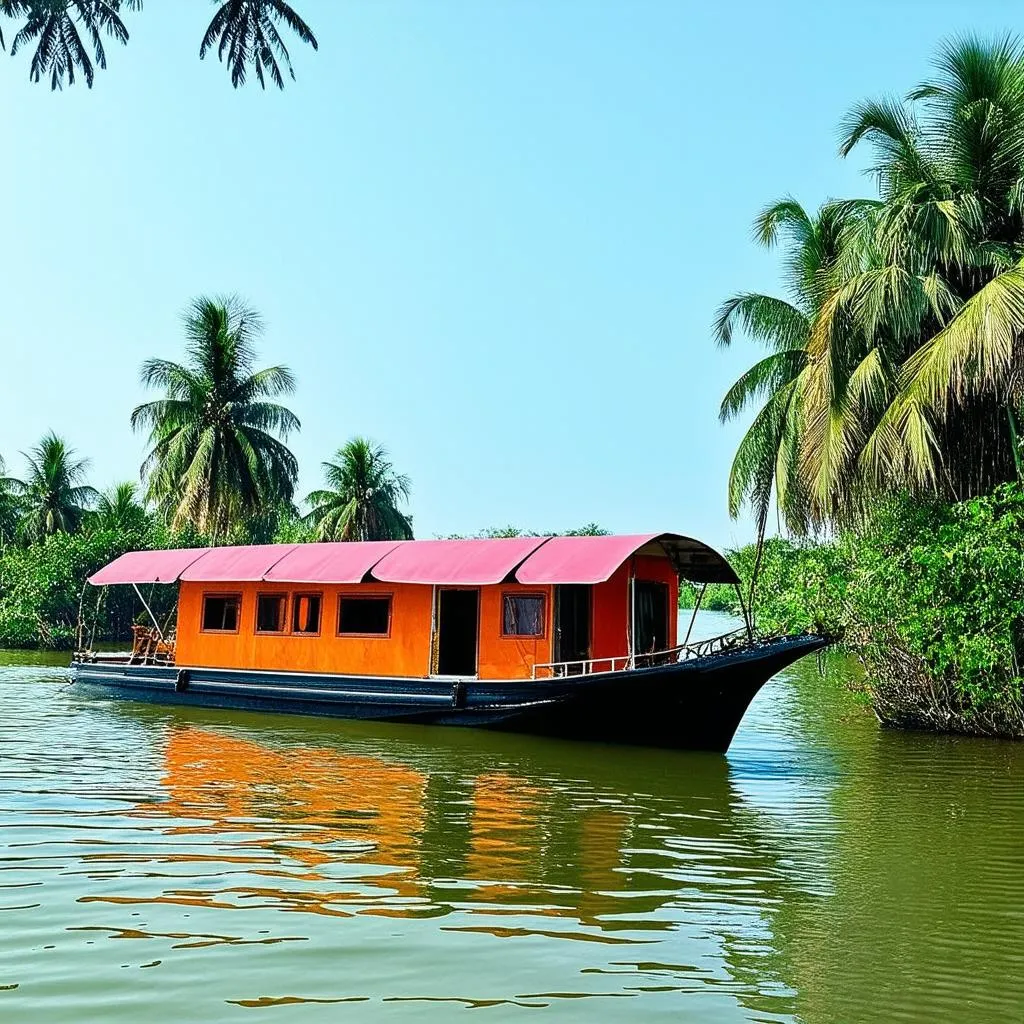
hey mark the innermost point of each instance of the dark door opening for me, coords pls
(572, 622)
(650, 616)
(457, 629)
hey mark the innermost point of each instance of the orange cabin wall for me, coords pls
(610, 605)
(405, 652)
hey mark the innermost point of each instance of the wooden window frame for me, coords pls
(543, 634)
(283, 631)
(389, 597)
(292, 631)
(221, 596)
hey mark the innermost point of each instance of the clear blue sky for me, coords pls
(490, 234)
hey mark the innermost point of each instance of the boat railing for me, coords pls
(623, 662)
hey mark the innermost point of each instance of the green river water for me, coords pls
(177, 865)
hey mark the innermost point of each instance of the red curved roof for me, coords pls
(536, 560)
(336, 562)
(147, 567)
(455, 562)
(580, 559)
(248, 563)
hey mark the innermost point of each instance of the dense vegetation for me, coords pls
(244, 33)
(889, 403)
(929, 596)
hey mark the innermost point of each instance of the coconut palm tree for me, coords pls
(118, 508)
(914, 338)
(57, 29)
(245, 33)
(217, 452)
(54, 497)
(68, 36)
(946, 294)
(362, 496)
(768, 459)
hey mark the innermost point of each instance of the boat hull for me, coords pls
(695, 704)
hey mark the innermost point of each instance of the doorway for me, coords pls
(650, 616)
(458, 613)
(572, 623)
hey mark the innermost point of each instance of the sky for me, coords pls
(489, 234)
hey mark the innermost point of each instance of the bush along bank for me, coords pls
(928, 597)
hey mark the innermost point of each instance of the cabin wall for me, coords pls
(510, 657)
(406, 652)
(611, 605)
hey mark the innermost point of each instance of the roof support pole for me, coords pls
(632, 611)
(696, 608)
(159, 631)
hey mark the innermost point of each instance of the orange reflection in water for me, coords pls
(323, 796)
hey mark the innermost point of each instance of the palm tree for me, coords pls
(910, 337)
(362, 496)
(57, 28)
(944, 299)
(245, 32)
(769, 455)
(54, 497)
(217, 452)
(118, 509)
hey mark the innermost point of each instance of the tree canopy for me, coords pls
(217, 453)
(68, 37)
(901, 336)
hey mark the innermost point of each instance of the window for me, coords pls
(306, 613)
(270, 613)
(220, 613)
(366, 616)
(522, 615)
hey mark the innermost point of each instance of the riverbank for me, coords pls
(928, 597)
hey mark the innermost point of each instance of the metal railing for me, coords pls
(623, 662)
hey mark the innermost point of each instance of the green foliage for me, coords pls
(217, 455)
(901, 334)
(244, 33)
(929, 596)
(54, 497)
(362, 497)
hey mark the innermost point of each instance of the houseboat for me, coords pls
(566, 636)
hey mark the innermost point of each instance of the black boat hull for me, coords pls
(695, 704)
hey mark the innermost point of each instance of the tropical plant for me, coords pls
(362, 497)
(54, 497)
(904, 333)
(217, 454)
(244, 33)
(118, 509)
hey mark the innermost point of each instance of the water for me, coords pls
(162, 865)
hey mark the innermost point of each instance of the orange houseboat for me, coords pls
(567, 636)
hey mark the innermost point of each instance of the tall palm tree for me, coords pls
(945, 296)
(57, 27)
(914, 340)
(54, 496)
(769, 455)
(118, 508)
(217, 450)
(362, 496)
(68, 35)
(245, 33)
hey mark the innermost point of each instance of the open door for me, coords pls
(458, 628)
(572, 623)
(650, 616)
